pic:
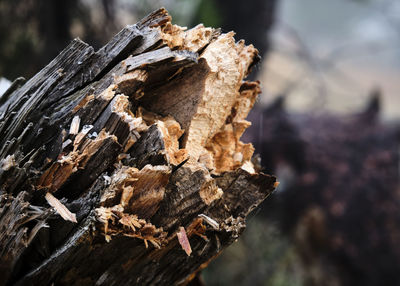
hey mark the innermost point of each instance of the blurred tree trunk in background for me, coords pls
(54, 25)
(34, 32)
(251, 20)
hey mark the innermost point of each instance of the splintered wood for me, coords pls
(60, 208)
(140, 141)
(183, 241)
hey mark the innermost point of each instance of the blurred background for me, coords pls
(326, 124)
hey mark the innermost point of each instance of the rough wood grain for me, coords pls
(140, 143)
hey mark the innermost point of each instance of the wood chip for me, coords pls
(184, 241)
(74, 129)
(60, 208)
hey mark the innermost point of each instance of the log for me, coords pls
(124, 165)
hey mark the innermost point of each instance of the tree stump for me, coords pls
(124, 165)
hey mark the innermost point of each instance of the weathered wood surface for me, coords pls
(157, 116)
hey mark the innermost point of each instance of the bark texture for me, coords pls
(124, 165)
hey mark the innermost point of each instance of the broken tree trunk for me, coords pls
(124, 166)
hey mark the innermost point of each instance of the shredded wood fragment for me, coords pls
(116, 221)
(131, 221)
(172, 131)
(85, 130)
(84, 149)
(225, 146)
(7, 163)
(60, 208)
(184, 241)
(138, 192)
(66, 143)
(210, 192)
(74, 129)
(249, 167)
(83, 103)
(234, 225)
(210, 221)
(40, 224)
(197, 228)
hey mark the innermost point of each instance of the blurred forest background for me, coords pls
(327, 124)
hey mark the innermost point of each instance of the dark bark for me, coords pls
(130, 177)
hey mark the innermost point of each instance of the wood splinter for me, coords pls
(184, 241)
(60, 208)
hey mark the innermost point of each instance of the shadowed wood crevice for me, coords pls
(124, 165)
